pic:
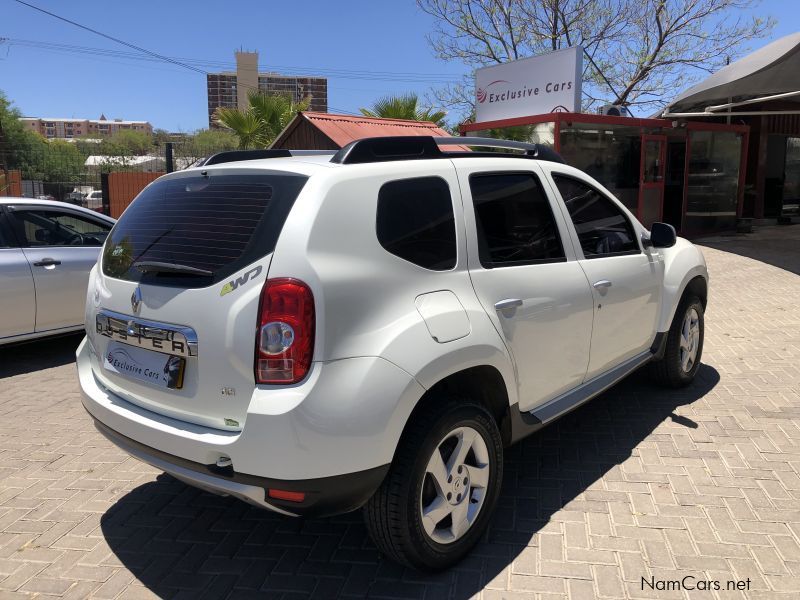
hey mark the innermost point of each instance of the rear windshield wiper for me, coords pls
(151, 266)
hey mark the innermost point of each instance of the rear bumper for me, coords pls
(333, 440)
(323, 497)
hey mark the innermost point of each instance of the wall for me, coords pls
(306, 137)
(10, 183)
(124, 187)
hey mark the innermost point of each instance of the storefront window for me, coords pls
(713, 181)
(609, 153)
(791, 181)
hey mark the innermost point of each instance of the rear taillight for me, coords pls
(285, 337)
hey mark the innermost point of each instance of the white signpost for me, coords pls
(530, 86)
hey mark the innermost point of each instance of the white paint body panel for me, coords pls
(444, 316)
(625, 313)
(548, 335)
(386, 330)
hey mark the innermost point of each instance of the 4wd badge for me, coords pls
(235, 283)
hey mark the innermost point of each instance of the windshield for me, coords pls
(200, 229)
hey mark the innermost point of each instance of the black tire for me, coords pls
(393, 516)
(668, 371)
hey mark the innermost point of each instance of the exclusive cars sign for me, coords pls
(530, 86)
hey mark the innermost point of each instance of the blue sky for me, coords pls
(328, 37)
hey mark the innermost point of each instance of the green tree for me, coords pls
(62, 163)
(19, 148)
(160, 136)
(262, 121)
(127, 142)
(406, 107)
(204, 143)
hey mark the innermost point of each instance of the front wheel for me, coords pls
(681, 359)
(441, 489)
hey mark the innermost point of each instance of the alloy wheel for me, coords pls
(454, 488)
(690, 339)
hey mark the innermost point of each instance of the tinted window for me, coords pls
(41, 227)
(5, 235)
(218, 224)
(415, 222)
(602, 228)
(515, 220)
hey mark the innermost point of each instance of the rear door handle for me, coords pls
(508, 303)
(603, 283)
(47, 262)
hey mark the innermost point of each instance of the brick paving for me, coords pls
(639, 483)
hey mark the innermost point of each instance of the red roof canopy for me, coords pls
(343, 129)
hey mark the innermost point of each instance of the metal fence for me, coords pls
(83, 173)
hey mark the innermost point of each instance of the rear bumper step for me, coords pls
(323, 497)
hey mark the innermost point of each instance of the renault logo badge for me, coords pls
(136, 299)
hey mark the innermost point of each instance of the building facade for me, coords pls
(74, 128)
(687, 174)
(324, 131)
(229, 89)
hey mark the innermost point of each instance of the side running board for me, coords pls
(566, 402)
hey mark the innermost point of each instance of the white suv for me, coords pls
(316, 333)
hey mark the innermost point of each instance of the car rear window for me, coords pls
(216, 224)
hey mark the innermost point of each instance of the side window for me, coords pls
(5, 234)
(415, 222)
(515, 220)
(42, 227)
(603, 229)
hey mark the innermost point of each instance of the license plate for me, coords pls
(155, 368)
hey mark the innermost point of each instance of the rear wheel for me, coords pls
(441, 489)
(681, 359)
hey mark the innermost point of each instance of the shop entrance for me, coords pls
(782, 177)
(651, 179)
(674, 182)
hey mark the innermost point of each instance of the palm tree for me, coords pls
(263, 120)
(404, 107)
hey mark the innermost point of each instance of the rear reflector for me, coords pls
(286, 495)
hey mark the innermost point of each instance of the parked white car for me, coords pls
(316, 334)
(93, 200)
(47, 249)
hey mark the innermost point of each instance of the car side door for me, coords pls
(61, 246)
(626, 280)
(17, 294)
(526, 276)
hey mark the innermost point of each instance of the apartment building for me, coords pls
(73, 128)
(229, 88)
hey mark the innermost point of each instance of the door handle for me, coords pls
(603, 283)
(508, 303)
(47, 262)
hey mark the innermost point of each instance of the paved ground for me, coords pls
(639, 483)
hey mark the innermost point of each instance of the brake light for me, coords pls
(285, 336)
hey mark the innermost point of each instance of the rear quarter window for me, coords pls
(415, 222)
(217, 224)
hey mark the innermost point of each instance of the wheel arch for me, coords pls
(685, 272)
(484, 384)
(697, 286)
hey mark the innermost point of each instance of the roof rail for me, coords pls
(237, 155)
(382, 149)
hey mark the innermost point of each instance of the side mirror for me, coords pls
(662, 235)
